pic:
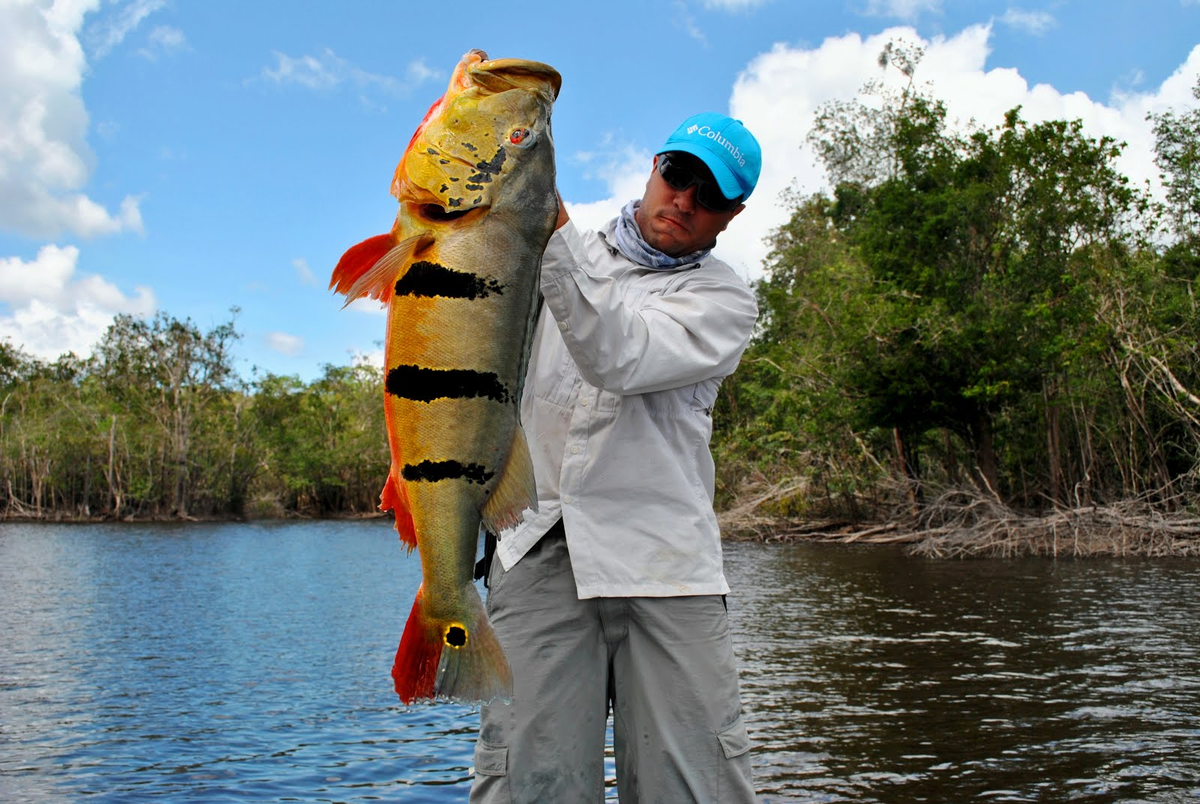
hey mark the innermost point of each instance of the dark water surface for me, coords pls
(232, 662)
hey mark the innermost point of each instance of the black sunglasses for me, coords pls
(680, 176)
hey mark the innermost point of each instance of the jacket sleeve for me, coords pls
(695, 332)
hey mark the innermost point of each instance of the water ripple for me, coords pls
(215, 663)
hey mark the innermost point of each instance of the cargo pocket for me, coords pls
(734, 739)
(491, 760)
(734, 782)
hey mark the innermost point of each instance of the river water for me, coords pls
(234, 662)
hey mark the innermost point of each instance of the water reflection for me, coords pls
(872, 676)
(214, 662)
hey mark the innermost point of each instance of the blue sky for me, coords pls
(190, 157)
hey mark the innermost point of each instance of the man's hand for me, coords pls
(563, 217)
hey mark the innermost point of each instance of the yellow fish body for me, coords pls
(459, 273)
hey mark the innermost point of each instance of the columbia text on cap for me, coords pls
(726, 146)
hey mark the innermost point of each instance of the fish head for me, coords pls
(484, 143)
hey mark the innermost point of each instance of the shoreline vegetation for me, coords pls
(983, 341)
(965, 523)
(961, 524)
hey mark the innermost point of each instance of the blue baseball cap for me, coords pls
(726, 146)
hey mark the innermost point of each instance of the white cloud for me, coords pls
(44, 157)
(624, 171)
(734, 5)
(53, 311)
(307, 71)
(110, 30)
(285, 344)
(684, 20)
(366, 306)
(328, 71)
(779, 91)
(163, 40)
(303, 272)
(419, 72)
(901, 9)
(373, 358)
(1033, 22)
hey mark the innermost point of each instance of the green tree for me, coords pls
(324, 445)
(169, 372)
(1177, 154)
(979, 262)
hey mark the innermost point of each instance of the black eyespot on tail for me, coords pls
(456, 636)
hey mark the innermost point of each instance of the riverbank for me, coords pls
(64, 518)
(963, 523)
(958, 524)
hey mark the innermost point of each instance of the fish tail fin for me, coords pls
(515, 491)
(414, 672)
(453, 659)
(394, 498)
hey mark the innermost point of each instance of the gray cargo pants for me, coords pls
(666, 665)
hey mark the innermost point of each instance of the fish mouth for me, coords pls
(500, 75)
(440, 214)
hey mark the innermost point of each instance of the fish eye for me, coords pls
(521, 136)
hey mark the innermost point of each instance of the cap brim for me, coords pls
(730, 187)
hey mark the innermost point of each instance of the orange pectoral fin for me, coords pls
(372, 267)
(358, 259)
(394, 498)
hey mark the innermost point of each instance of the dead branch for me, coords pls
(969, 523)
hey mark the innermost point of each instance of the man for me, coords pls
(613, 591)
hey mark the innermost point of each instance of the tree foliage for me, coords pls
(976, 305)
(158, 424)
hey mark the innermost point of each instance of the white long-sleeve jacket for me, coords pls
(617, 409)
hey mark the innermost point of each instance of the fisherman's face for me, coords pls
(673, 221)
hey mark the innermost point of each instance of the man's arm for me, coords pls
(692, 334)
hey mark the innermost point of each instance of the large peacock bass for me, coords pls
(459, 272)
